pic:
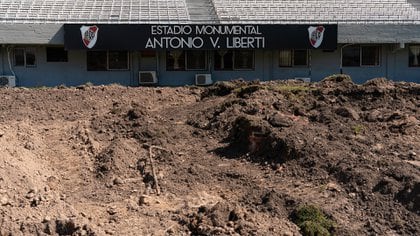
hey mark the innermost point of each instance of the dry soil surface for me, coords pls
(236, 158)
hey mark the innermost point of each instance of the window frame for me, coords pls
(233, 56)
(103, 67)
(205, 60)
(108, 61)
(23, 56)
(409, 55)
(244, 69)
(183, 55)
(292, 57)
(216, 54)
(360, 52)
(106, 67)
(184, 59)
(378, 47)
(26, 51)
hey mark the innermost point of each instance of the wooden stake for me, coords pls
(155, 179)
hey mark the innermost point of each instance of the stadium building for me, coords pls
(178, 42)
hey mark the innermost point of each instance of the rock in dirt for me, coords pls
(404, 126)
(373, 116)
(118, 181)
(280, 120)
(412, 154)
(347, 112)
(333, 187)
(145, 200)
(4, 201)
(30, 146)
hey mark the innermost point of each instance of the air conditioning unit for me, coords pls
(147, 77)
(203, 79)
(304, 79)
(7, 81)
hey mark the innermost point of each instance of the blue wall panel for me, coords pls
(324, 64)
(402, 72)
(394, 65)
(69, 73)
(364, 73)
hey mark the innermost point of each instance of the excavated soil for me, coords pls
(236, 158)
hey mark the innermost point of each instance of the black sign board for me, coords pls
(224, 36)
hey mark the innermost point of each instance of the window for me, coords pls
(293, 57)
(151, 54)
(361, 56)
(179, 60)
(24, 57)
(96, 60)
(117, 60)
(19, 57)
(244, 60)
(56, 54)
(233, 60)
(370, 55)
(351, 56)
(223, 60)
(414, 56)
(300, 57)
(175, 60)
(107, 60)
(30, 57)
(196, 60)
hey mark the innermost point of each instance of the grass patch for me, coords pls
(312, 221)
(358, 129)
(43, 87)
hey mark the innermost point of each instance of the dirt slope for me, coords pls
(232, 159)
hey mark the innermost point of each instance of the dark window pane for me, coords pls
(30, 57)
(56, 54)
(300, 57)
(285, 58)
(223, 60)
(244, 60)
(414, 56)
(196, 60)
(351, 56)
(118, 60)
(148, 53)
(175, 60)
(96, 60)
(19, 57)
(370, 56)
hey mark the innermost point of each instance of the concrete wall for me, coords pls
(394, 65)
(399, 69)
(69, 73)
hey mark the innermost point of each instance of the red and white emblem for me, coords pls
(89, 35)
(316, 35)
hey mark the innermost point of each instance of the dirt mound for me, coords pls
(236, 158)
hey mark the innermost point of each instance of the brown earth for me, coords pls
(236, 158)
